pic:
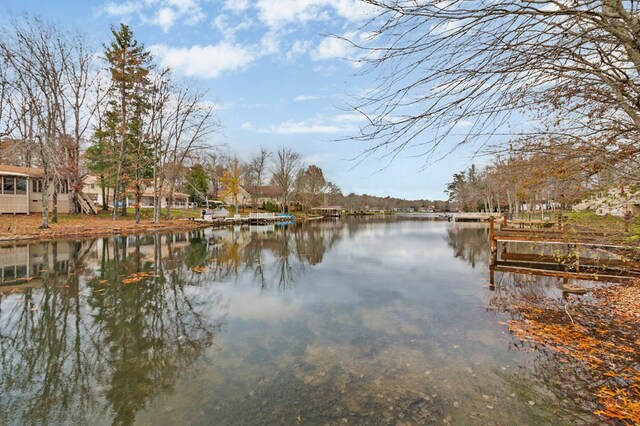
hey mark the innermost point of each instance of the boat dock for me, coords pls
(251, 219)
(555, 251)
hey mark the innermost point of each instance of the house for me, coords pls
(328, 211)
(91, 187)
(21, 191)
(94, 192)
(180, 199)
(614, 202)
(242, 198)
(265, 194)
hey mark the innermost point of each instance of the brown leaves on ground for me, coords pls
(26, 227)
(599, 336)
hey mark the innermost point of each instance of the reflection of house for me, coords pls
(21, 191)
(25, 263)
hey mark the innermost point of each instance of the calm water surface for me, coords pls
(355, 321)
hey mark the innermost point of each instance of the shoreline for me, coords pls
(26, 229)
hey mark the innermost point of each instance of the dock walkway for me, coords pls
(585, 255)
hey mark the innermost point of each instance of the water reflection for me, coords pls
(101, 327)
(365, 321)
(469, 242)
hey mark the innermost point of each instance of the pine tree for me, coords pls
(129, 65)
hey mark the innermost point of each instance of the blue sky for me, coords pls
(276, 79)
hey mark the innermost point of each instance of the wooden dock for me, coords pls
(251, 219)
(452, 216)
(570, 261)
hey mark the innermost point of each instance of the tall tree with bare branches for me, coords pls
(286, 164)
(455, 71)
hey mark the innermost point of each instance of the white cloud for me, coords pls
(236, 5)
(275, 13)
(300, 128)
(333, 48)
(270, 43)
(247, 125)
(298, 48)
(163, 13)
(320, 125)
(304, 98)
(464, 123)
(229, 30)
(122, 9)
(165, 18)
(205, 61)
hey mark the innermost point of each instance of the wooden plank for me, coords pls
(583, 261)
(583, 242)
(561, 274)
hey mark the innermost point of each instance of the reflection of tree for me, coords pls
(277, 259)
(469, 243)
(75, 348)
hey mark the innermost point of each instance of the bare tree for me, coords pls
(311, 187)
(190, 123)
(443, 65)
(82, 83)
(286, 164)
(256, 171)
(36, 55)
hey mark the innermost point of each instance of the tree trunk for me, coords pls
(138, 200)
(54, 216)
(103, 186)
(45, 198)
(169, 202)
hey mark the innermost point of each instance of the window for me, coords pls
(93, 186)
(8, 185)
(21, 185)
(36, 185)
(63, 187)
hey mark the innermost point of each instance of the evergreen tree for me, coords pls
(129, 64)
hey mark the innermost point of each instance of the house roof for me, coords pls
(148, 192)
(21, 171)
(265, 191)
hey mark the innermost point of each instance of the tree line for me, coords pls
(540, 179)
(300, 186)
(70, 109)
(550, 81)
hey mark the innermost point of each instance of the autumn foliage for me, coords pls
(600, 338)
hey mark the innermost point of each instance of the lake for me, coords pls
(354, 321)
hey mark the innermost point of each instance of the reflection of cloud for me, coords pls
(251, 305)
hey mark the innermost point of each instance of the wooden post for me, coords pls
(492, 284)
(492, 235)
(504, 220)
